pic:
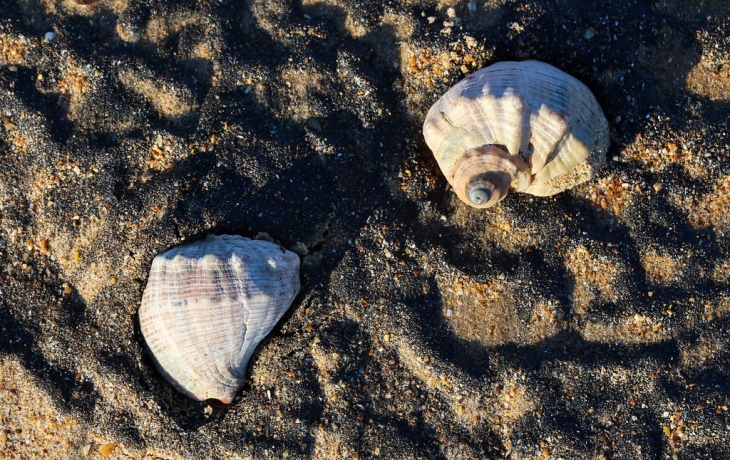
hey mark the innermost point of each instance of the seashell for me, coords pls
(525, 126)
(208, 304)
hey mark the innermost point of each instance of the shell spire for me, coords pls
(523, 126)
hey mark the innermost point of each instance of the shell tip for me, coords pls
(478, 193)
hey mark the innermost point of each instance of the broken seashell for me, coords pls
(208, 304)
(525, 126)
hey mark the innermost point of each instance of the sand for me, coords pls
(589, 325)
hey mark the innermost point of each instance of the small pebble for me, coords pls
(147, 175)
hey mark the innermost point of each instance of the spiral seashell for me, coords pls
(208, 304)
(525, 126)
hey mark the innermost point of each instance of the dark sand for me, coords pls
(594, 324)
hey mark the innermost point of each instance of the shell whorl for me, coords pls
(484, 175)
(536, 114)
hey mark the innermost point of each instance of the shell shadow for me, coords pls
(484, 262)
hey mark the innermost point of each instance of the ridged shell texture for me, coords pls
(208, 304)
(544, 126)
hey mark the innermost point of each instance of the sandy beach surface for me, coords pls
(594, 324)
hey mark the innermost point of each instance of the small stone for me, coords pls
(300, 248)
(108, 449)
(264, 236)
(314, 124)
(147, 175)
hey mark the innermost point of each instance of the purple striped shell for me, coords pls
(208, 304)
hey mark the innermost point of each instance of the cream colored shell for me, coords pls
(525, 126)
(208, 304)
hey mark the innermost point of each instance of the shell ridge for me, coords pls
(476, 110)
(240, 355)
(525, 130)
(549, 115)
(216, 295)
(445, 161)
(169, 377)
(555, 127)
(457, 107)
(226, 368)
(161, 331)
(557, 164)
(511, 110)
